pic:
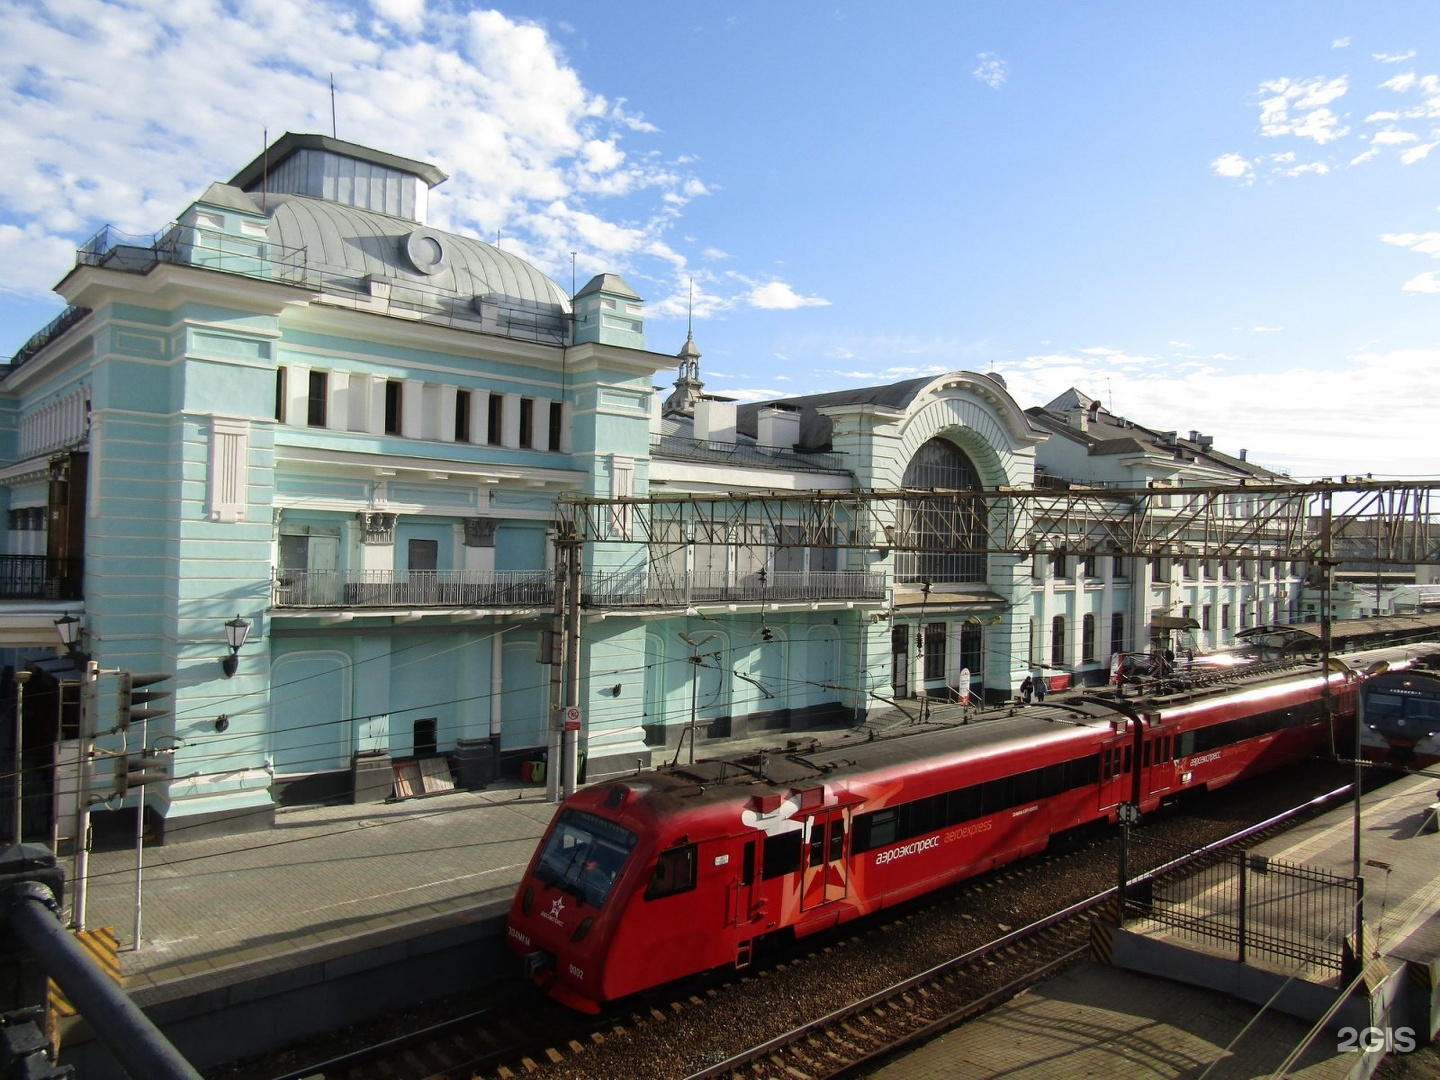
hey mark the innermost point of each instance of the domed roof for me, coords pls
(350, 242)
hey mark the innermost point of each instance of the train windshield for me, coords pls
(584, 856)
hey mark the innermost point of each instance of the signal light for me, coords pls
(135, 703)
(137, 770)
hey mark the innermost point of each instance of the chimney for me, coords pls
(715, 421)
(1243, 452)
(777, 427)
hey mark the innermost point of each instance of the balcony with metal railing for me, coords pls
(638, 589)
(413, 588)
(36, 577)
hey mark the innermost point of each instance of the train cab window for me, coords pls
(584, 855)
(1145, 756)
(674, 873)
(747, 864)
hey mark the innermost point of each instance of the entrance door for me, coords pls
(824, 871)
(900, 661)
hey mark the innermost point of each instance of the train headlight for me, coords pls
(527, 901)
(583, 929)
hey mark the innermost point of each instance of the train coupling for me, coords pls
(537, 963)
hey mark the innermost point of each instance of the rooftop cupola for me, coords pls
(688, 387)
(608, 312)
(320, 167)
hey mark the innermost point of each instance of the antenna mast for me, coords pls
(333, 132)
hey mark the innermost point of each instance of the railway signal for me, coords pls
(135, 703)
(137, 770)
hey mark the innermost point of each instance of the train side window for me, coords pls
(1125, 767)
(781, 856)
(837, 839)
(817, 842)
(674, 873)
(876, 830)
(962, 805)
(1186, 740)
(1145, 755)
(747, 864)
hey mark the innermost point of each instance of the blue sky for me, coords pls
(1220, 216)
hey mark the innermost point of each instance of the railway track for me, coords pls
(831, 1005)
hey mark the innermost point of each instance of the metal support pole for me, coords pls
(557, 635)
(137, 1044)
(21, 678)
(1124, 874)
(1240, 862)
(86, 742)
(572, 667)
(140, 831)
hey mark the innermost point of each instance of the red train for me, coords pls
(683, 869)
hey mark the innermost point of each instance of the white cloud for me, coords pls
(1297, 108)
(122, 114)
(1381, 117)
(1394, 138)
(991, 70)
(1232, 167)
(1340, 43)
(1318, 168)
(777, 295)
(1428, 282)
(1420, 243)
(1417, 153)
(1400, 83)
(1393, 58)
(406, 14)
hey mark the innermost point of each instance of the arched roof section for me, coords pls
(345, 241)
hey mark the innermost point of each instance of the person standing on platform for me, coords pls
(1040, 689)
(1027, 687)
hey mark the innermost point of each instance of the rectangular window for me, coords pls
(674, 872)
(1160, 569)
(1117, 567)
(557, 416)
(280, 395)
(934, 651)
(393, 390)
(1204, 616)
(319, 394)
(1185, 612)
(1089, 565)
(1224, 616)
(462, 416)
(1117, 632)
(1057, 564)
(1087, 638)
(495, 420)
(1057, 641)
(527, 422)
(780, 855)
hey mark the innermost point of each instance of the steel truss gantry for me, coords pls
(1378, 522)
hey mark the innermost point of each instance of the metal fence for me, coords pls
(1253, 907)
(414, 588)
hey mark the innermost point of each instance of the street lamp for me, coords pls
(236, 630)
(68, 629)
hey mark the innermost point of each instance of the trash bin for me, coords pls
(475, 763)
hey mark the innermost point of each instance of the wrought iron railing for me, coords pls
(36, 577)
(637, 588)
(413, 588)
(52, 330)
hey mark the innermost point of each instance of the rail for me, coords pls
(413, 588)
(30, 884)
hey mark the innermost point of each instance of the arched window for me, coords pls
(943, 466)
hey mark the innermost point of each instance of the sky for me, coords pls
(1221, 216)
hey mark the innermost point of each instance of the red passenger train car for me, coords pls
(675, 871)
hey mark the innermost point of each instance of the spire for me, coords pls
(688, 387)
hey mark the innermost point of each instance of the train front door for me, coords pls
(1115, 783)
(823, 875)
